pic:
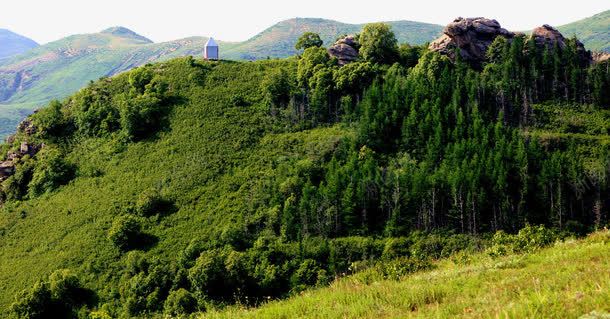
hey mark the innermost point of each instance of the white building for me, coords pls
(210, 52)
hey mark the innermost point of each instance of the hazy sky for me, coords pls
(233, 20)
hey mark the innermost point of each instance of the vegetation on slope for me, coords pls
(568, 280)
(188, 185)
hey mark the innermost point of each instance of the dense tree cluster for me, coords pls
(439, 144)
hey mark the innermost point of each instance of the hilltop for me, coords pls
(29, 81)
(12, 44)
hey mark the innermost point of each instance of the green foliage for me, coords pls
(528, 239)
(312, 60)
(51, 121)
(308, 40)
(277, 87)
(180, 302)
(125, 231)
(51, 170)
(58, 297)
(378, 43)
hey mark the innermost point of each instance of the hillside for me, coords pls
(594, 31)
(189, 185)
(568, 280)
(12, 44)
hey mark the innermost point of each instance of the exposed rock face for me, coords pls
(472, 36)
(344, 50)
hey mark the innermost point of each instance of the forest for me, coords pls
(206, 184)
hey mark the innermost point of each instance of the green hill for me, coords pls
(12, 44)
(189, 185)
(594, 31)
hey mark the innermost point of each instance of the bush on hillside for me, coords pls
(180, 302)
(58, 297)
(51, 170)
(151, 202)
(52, 122)
(125, 232)
(528, 239)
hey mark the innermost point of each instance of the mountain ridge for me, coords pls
(29, 80)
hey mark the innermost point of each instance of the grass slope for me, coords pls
(565, 281)
(594, 31)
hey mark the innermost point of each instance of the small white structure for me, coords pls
(210, 52)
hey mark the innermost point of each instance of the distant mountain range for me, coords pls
(57, 69)
(12, 44)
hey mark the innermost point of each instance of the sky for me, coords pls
(232, 20)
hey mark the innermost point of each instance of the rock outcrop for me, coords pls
(472, 36)
(547, 36)
(7, 168)
(599, 57)
(345, 50)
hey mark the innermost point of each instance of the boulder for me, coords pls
(7, 168)
(27, 126)
(345, 50)
(472, 36)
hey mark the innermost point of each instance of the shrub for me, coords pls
(50, 171)
(306, 275)
(208, 274)
(140, 115)
(57, 297)
(180, 302)
(528, 239)
(150, 202)
(396, 247)
(125, 231)
(51, 121)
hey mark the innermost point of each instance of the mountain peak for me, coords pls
(126, 33)
(12, 43)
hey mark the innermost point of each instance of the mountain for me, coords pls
(187, 186)
(12, 44)
(594, 31)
